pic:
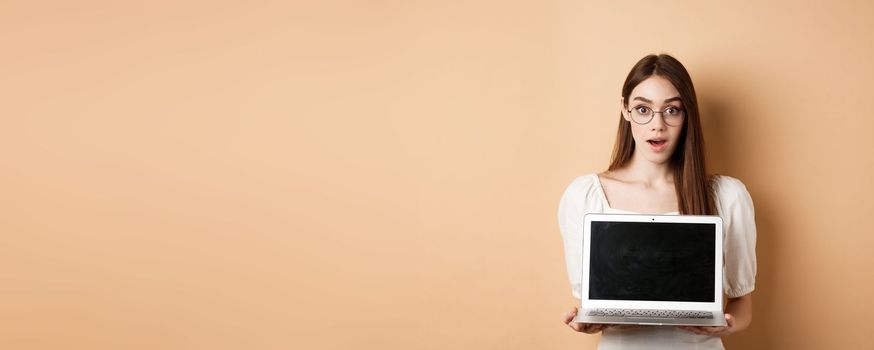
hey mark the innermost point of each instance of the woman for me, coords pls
(658, 168)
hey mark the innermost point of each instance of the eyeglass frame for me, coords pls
(653, 113)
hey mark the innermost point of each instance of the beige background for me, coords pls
(385, 174)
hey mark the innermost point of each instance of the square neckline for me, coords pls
(607, 203)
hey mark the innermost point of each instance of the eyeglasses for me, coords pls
(672, 116)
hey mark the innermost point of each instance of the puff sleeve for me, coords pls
(735, 206)
(577, 200)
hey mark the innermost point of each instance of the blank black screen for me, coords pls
(652, 261)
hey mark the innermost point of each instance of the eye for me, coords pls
(673, 111)
(642, 109)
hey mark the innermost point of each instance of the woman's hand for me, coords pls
(590, 328)
(713, 331)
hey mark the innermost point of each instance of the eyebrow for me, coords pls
(644, 99)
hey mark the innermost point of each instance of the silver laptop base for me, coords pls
(717, 320)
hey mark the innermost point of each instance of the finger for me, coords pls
(706, 330)
(729, 319)
(569, 320)
(696, 330)
(569, 316)
(716, 330)
(593, 328)
(690, 329)
(603, 327)
(579, 327)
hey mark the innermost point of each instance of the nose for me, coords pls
(658, 121)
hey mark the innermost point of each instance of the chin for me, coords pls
(658, 158)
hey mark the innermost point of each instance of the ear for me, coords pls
(623, 109)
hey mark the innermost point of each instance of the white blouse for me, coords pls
(734, 205)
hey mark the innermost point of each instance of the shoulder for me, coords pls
(583, 186)
(729, 187)
(580, 197)
(581, 194)
(731, 192)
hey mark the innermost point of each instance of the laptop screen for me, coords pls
(652, 261)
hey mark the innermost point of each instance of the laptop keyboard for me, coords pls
(650, 313)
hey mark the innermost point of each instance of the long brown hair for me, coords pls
(693, 184)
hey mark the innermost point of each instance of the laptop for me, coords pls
(652, 270)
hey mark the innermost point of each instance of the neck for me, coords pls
(650, 173)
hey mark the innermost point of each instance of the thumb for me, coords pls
(570, 315)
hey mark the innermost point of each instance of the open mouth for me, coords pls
(657, 145)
